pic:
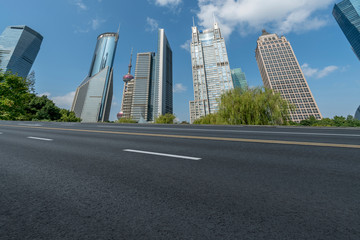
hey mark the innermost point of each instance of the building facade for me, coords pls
(142, 108)
(19, 46)
(347, 15)
(162, 93)
(357, 114)
(210, 69)
(281, 72)
(92, 101)
(239, 78)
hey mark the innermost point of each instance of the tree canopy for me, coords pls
(255, 106)
(167, 118)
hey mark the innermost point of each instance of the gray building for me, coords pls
(162, 99)
(150, 93)
(239, 78)
(210, 69)
(357, 114)
(347, 15)
(19, 46)
(142, 102)
(92, 101)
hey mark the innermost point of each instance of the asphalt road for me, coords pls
(107, 181)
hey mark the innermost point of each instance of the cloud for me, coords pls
(95, 23)
(80, 4)
(151, 24)
(179, 88)
(168, 3)
(186, 45)
(318, 73)
(250, 16)
(64, 101)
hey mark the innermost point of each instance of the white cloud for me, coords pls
(80, 4)
(318, 73)
(168, 3)
(249, 16)
(151, 24)
(186, 45)
(64, 101)
(95, 23)
(179, 88)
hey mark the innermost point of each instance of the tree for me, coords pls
(68, 116)
(256, 106)
(42, 108)
(168, 118)
(126, 120)
(14, 94)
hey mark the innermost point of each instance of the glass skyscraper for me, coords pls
(162, 98)
(150, 93)
(210, 69)
(280, 71)
(19, 46)
(347, 14)
(92, 101)
(239, 79)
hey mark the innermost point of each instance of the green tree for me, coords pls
(168, 118)
(126, 120)
(14, 94)
(68, 116)
(42, 108)
(256, 106)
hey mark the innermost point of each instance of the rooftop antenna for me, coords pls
(193, 22)
(130, 60)
(214, 17)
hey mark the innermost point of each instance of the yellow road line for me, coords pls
(199, 137)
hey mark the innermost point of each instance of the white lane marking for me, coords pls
(42, 139)
(237, 131)
(163, 154)
(30, 124)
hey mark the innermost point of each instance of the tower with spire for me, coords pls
(127, 93)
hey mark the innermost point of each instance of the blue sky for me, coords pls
(70, 29)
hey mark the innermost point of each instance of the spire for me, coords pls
(118, 29)
(130, 61)
(193, 22)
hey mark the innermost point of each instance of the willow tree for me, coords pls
(255, 106)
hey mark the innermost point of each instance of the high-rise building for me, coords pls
(280, 71)
(210, 69)
(19, 46)
(162, 99)
(127, 94)
(142, 104)
(92, 101)
(150, 94)
(357, 114)
(347, 14)
(239, 78)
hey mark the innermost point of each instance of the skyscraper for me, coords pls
(92, 101)
(239, 79)
(162, 98)
(281, 72)
(19, 46)
(210, 69)
(347, 15)
(150, 93)
(142, 104)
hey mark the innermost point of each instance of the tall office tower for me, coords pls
(210, 68)
(19, 46)
(347, 14)
(142, 101)
(162, 100)
(281, 72)
(357, 114)
(127, 93)
(239, 79)
(92, 101)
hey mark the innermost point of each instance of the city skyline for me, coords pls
(330, 71)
